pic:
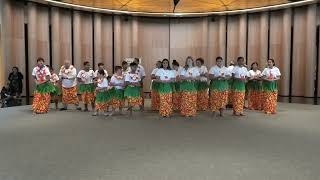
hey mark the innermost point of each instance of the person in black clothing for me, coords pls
(15, 82)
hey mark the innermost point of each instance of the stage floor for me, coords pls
(74, 145)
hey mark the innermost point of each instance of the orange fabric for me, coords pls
(102, 106)
(270, 102)
(254, 100)
(69, 96)
(88, 98)
(218, 100)
(238, 101)
(202, 100)
(230, 97)
(41, 103)
(135, 101)
(155, 100)
(166, 106)
(188, 103)
(117, 103)
(176, 99)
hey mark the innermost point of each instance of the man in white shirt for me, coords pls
(101, 67)
(68, 76)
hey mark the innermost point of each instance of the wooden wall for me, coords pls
(85, 36)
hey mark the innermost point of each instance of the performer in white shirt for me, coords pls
(176, 94)
(68, 76)
(219, 87)
(140, 70)
(118, 84)
(188, 77)
(41, 95)
(254, 88)
(132, 91)
(230, 81)
(165, 77)
(155, 98)
(202, 86)
(270, 76)
(103, 97)
(87, 87)
(239, 74)
(54, 79)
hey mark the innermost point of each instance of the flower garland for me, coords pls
(41, 73)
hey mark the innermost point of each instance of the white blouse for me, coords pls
(70, 74)
(217, 71)
(203, 70)
(102, 83)
(254, 73)
(191, 72)
(132, 77)
(86, 76)
(271, 73)
(165, 75)
(154, 71)
(240, 72)
(41, 73)
(115, 79)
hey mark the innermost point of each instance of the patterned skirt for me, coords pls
(238, 101)
(42, 97)
(188, 106)
(133, 95)
(255, 100)
(69, 95)
(87, 92)
(166, 106)
(117, 98)
(270, 102)
(218, 100)
(202, 100)
(103, 100)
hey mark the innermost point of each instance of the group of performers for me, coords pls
(186, 89)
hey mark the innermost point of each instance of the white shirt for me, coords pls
(254, 74)
(115, 79)
(97, 71)
(54, 78)
(86, 76)
(217, 71)
(132, 77)
(154, 71)
(203, 70)
(41, 73)
(230, 69)
(271, 73)
(102, 83)
(191, 72)
(240, 72)
(70, 74)
(165, 74)
(141, 71)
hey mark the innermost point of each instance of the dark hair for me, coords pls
(117, 68)
(175, 63)
(133, 64)
(137, 59)
(124, 62)
(254, 63)
(201, 60)
(100, 64)
(15, 67)
(168, 63)
(109, 77)
(85, 63)
(219, 57)
(186, 65)
(240, 58)
(40, 59)
(101, 72)
(272, 61)
(159, 61)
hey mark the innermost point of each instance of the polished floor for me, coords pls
(76, 146)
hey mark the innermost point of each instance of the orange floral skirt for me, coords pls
(202, 100)
(238, 101)
(218, 100)
(166, 106)
(230, 97)
(188, 104)
(270, 102)
(254, 100)
(116, 103)
(102, 106)
(155, 100)
(88, 98)
(41, 102)
(176, 99)
(135, 101)
(69, 96)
